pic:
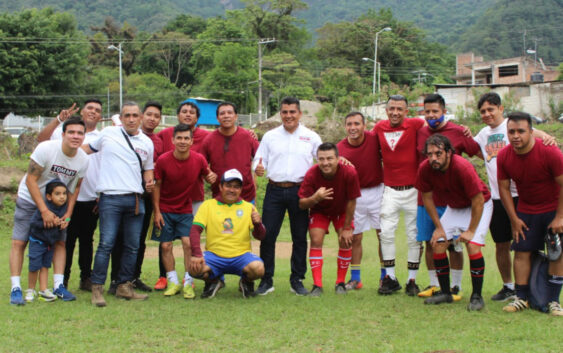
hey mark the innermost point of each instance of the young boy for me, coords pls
(42, 239)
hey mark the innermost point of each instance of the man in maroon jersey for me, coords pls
(330, 190)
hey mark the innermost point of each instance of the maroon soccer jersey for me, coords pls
(178, 178)
(157, 143)
(228, 152)
(345, 184)
(534, 174)
(366, 158)
(398, 149)
(458, 184)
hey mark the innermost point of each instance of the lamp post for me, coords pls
(375, 65)
(260, 42)
(118, 48)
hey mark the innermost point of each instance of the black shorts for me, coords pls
(500, 223)
(537, 229)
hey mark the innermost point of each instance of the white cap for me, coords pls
(231, 174)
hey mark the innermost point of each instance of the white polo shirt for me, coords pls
(287, 156)
(120, 172)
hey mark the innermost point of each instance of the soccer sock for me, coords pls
(412, 274)
(343, 262)
(456, 278)
(554, 284)
(16, 282)
(316, 263)
(509, 285)
(433, 278)
(522, 291)
(477, 268)
(442, 266)
(383, 273)
(188, 280)
(172, 277)
(58, 280)
(355, 273)
(390, 271)
(161, 268)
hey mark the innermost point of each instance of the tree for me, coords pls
(343, 87)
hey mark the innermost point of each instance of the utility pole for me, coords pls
(260, 42)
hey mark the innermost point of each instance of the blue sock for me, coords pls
(383, 273)
(355, 273)
(554, 283)
(523, 291)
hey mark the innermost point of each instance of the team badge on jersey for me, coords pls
(239, 213)
(393, 138)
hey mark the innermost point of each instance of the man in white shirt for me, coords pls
(284, 156)
(127, 161)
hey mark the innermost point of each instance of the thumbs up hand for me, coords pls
(211, 177)
(259, 170)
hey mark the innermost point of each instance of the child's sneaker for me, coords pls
(47, 296)
(30, 295)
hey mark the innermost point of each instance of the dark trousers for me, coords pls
(83, 223)
(118, 248)
(277, 201)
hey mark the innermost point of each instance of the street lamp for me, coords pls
(260, 42)
(118, 48)
(375, 64)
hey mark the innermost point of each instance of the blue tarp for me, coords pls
(207, 108)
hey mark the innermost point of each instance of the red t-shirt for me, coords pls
(157, 143)
(345, 184)
(458, 184)
(534, 174)
(398, 149)
(178, 178)
(366, 158)
(228, 152)
(459, 141)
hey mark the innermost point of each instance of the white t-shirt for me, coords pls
(491, 142)
(120, 172)
(56, 164)
(287, 156)
(88, 187)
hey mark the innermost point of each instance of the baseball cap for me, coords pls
(231, 174)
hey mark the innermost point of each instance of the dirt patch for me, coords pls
(10, 178)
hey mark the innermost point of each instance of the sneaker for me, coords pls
(412, 288)
(85, 284)
(316, 291)
(247, 288)
(64, 294)
(112, 288)
(456, 293)
(340, 288)
(161, 284)
(504, 294)
(553, 242)
(30, 295)
(516, 305)
(173, 289)
(428, 291)
(140, 285)
(298, 288)
(439, 298)
(476, 302)
(353, 284)
(265, 287)
(211, 288)
(388, 286)
(189, 292)
(555, 309)
(16, 297)
(47, 296)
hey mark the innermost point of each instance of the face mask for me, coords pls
(434, 123)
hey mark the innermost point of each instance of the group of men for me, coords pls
(138, 177)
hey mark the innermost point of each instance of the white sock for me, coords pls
(16, 282)
(509, 285)
(390, 272)
(172, 277)
(188, 280)
(58, 280)
(456, 278)
(412, 274)
(433, 278)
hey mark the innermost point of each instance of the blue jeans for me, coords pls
(116, 210)
(276, 202)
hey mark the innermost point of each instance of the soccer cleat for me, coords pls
(173, 289)
(504, 294)
(211, 288)
(412, 288)
(456, 293)
(316, 291)
(30, 295)
(340, 288)
(516, 305)
(476, 302)
(553, 242)
(16, 297)
(47, 296)
(428, 291)
(555, 309)
(189, 292)
(265, 287)
(161, 284)
(298, 288)
(353, 284)
(247, 288)
(439, 298)
(388, 286)
(64, 294)
(140, 285)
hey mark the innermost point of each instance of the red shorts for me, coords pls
(318, 220)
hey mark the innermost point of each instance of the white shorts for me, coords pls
(368, 207)
(456, 220)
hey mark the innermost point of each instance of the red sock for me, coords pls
(316, 262)
(343, 262)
